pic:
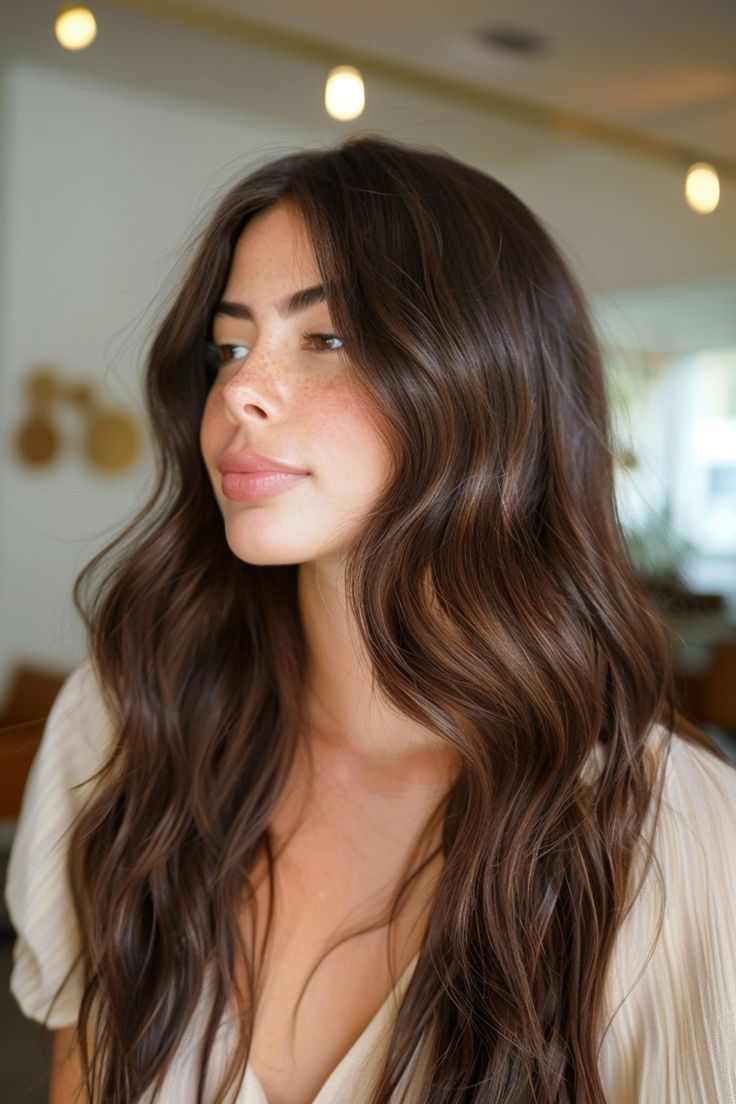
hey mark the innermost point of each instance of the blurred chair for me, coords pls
(710, 695)
(22, 719)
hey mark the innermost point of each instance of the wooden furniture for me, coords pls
(709, 695)
(22, 719)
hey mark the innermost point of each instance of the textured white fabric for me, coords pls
(672, 1034)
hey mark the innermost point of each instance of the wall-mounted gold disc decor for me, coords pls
(111, 441)
(37, 441)
(43, 386)
(110, 437)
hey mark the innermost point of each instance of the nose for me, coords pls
(258, 389)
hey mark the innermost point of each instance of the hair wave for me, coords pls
(498, 605)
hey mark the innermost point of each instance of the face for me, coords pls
(284, 388)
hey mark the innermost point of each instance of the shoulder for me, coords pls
(691, 834)
(76, 736)
(74, 745)
(672, 977)
(79, 710)
(700, 790)
(76, 739)
(695, 835)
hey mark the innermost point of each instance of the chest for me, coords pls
(330, 879)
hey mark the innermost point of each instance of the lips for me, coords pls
(250, 461)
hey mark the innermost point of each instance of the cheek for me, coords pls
(352, 442)
(208, 432)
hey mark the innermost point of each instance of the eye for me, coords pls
(217, 355)
(222, 354)
(324, 337)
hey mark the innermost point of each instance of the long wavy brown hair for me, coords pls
(499, 607)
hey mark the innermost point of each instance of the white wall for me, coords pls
(101, 185)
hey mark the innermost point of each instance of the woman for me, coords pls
(373, 786)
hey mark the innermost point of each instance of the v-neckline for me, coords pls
(326, 1094)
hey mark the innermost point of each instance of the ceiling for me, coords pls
(666, 68)
(662, 69)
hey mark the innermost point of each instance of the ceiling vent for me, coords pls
(515, 40)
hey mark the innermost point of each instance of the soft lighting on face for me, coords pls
(75, 28)
(702, 190)
(344, 93)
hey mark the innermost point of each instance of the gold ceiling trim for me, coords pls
(562, 123)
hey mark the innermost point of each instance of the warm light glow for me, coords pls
(344, 93)
(75, 28)
(702, 190)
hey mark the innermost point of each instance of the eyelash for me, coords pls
(214, 360)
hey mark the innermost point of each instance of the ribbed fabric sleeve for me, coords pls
(74, 742)
(672, 1039)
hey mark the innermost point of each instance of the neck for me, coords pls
(348, 721)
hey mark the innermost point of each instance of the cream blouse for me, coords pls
(672, 1032)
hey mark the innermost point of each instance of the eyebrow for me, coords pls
(292, 304)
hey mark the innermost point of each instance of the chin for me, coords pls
(263, 550)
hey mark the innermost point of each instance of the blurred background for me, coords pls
(615, 122)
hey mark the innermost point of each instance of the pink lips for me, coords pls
(249, 475)
(250, 461)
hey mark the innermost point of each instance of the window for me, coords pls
(674, 423)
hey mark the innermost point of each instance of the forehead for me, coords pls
(274, 248)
